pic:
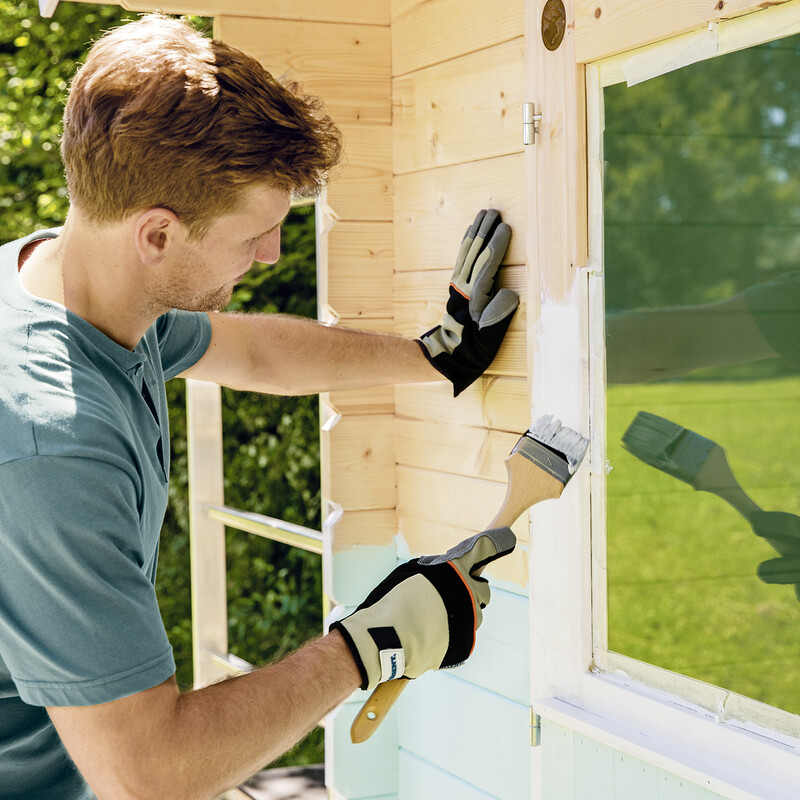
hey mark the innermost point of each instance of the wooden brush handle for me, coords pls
(527, 485)
(716, 477)
(373, 712)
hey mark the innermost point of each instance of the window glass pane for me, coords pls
(702, 265)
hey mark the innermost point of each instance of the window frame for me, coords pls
(723, 741)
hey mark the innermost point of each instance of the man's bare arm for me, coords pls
(193, 746)
(278, 354)
(655, 344)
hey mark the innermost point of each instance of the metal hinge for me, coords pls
(530, 123)
(536, 729)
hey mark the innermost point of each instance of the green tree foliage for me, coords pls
(701, 197)
(271, 457)
(38, 57)
(271, 444)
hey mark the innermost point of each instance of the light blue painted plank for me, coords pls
(670, 787)
(500, 661)
(575, 767)
(634, 779)
(470, 732)
(594, 769)
(558, 769)
(359, 771)
(420, 780)
(358, 570)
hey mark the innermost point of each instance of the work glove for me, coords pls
(476, 318)
(782, 531)
(426, 613)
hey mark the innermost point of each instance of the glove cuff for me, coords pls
(348, 639)
(378, 653)
(443, 364)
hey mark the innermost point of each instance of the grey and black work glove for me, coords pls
(425, 614)
(476, 318)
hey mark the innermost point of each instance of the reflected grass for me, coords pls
(682, 587)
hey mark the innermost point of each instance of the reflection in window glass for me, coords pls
(702, 264)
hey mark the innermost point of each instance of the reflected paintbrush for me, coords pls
(703, 464)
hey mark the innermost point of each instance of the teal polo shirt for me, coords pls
(84, 466)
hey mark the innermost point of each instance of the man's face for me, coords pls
(206, 270)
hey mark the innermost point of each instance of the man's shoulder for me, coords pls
(9, 251)
(55, 400)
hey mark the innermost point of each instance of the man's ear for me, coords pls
(155, 232)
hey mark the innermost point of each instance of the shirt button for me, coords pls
(138, 370)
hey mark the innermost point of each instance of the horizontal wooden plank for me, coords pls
(433, 209)
(361, 188)
(350, 574)
(422, 780)
(424, 536)
(348, 66)
(359, 270)
(367, 771)
(420, 298)
(497, 403)
(457, 449)
(464, 504)
(364, 528)
(606, 27)
(469, 732)
(376, 12)
(379, 400)
(423, 32)
(359, 463)
(500, 660)
(461, 110)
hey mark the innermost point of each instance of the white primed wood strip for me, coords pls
(596, 344)
(206, 536)
(719, 38)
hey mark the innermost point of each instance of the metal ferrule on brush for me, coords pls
(552, 462)
(556, 449)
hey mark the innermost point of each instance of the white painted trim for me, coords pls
(717, 39)
(670, 734)
(47, 8)
(726, 706)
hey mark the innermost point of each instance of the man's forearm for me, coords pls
(279, 354)
(193, 746)
(227, 731)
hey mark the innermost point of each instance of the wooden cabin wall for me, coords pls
(457, 93)
(341, 52)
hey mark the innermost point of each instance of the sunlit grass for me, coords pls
(682, 587)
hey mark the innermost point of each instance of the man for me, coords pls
(181, 156)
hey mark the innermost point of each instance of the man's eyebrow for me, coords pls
(277, 225)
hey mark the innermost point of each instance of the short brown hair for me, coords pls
(161, 116)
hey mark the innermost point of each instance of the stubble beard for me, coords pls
(180, 292)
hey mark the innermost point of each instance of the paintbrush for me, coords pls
(702, 464)
(539, 467)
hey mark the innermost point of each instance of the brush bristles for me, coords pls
(667, 446)
(552, 434)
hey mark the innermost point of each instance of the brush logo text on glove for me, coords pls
(424, 615)
(476, 318)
